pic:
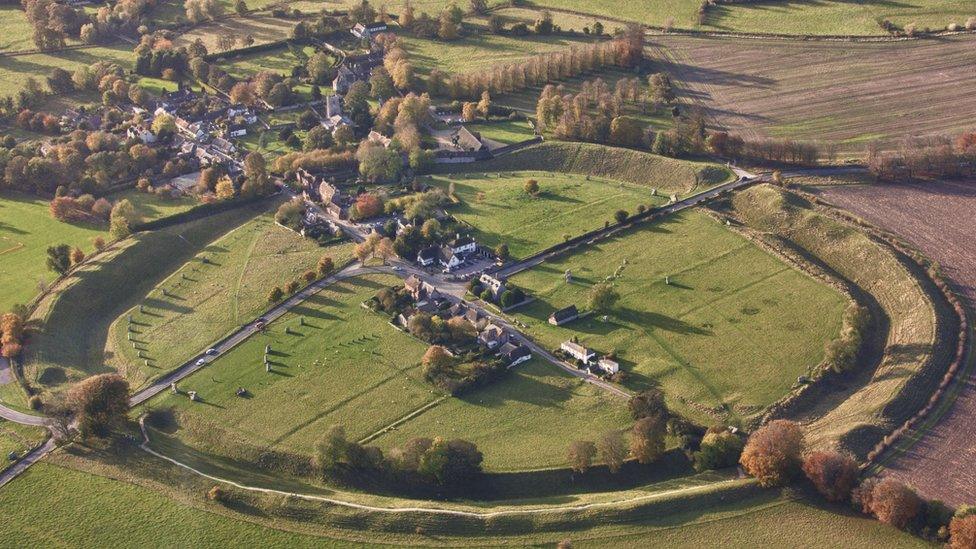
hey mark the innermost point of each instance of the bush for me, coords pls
(34, 402)
(962, 532)
(832, 473)
(217, 494)
(718, 450)
(772, 454)
(894, 503)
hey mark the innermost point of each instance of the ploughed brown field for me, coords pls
(939, 218)
(847, 92)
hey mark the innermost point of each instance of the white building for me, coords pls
(578, 351)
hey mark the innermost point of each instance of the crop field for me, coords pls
(935, 217)
(14, 71)
(263, 28)
(71, 342)
(890, 387)
(667, 175)
(478, 51)
(224, 286)
(566, 205)
(26, 231)
(345, 366)
(516, 421)
(279, 60)
(825, 91)
(724, 336)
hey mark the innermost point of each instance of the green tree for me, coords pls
(451, 462)
(603, 297)
(59, 258)
(501, 251)
(319, 68)
(276, 294)
(612, 450)
(620, 216)
(581, 455)
(647, 439)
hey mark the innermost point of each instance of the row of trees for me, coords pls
(595, 114)
(774, 454)
(647, 437)
(624, 51)
(931, 156)
(438, 462)
(52, 22)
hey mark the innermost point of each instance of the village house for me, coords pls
(428, 256)
(492, 336)
(514, 353)
(141, 133)
(173, 100)
(369, 30)
(335, 121)
(577, 351)
(563, 316)
(465, 140)
(378, 138)
(476, 319)
(333, 201)
(496, 285)
(448, 258)
(236, 130)
(608, 366)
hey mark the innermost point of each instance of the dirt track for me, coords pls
(939, 219)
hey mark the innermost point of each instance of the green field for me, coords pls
(829, 17)
(725, 339)
(278, 60)
(71, 341)
(17, 438)
(26, 231)
(150, 207)
(348, 367)
(504, 132)
(98, 509)
(209, 299)
(566, 205)
(524, 421)
(667, 175)
(14, 71)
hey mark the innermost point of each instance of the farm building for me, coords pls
(577, 351)
(608, 366)
(369, 30)
(564, 315)
(514, 353)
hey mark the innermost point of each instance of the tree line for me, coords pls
(938, 156)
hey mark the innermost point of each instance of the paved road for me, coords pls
(29, 459)
(243, 333)
(11, 414)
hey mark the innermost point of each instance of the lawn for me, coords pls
(478, 51)
(263, 28)
(222, 287)
(17, 438)
(278, 60)
(763, 88)
(567, 204)
(26, 231)
(726, 338)
(345, 366)
(524, 421)
(70, 343)
(503, 132)
(150, 207)
(14, 71)
(157, 86)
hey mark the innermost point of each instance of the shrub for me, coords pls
(894, 503)
(772, 454)
(34, 402)
(718, 450)
(217, 494)
(832, 473)
(962, 532)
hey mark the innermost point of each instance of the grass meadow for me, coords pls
(567, 204)
(74, 320)
(14, 71)
(911, 363)
(26, 231)
(345, 366)
(726, 338)
(278, 60)
(478, 51)
(150, 207)
(18, 438)
(222, 287)
(524, 421)
(503, 132)
(263, 28)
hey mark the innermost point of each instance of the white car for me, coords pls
(201, 362)
(397, 268)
